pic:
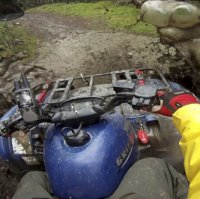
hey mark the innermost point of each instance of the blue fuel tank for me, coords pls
(95, 169)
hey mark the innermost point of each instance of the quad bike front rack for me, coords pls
(100, 85)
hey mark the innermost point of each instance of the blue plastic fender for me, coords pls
(5, 142)
(7, 153)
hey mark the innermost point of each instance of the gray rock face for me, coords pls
(155, 13)
(173, 34)
(178, 24)
(184, 15)
(170, 13)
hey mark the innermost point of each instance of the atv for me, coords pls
(86, 132)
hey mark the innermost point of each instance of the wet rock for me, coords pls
(172, 51)
(17, 42)
(178, 26)
(173, 34)
(190, 49)
(16, 23)
(20, 55)
(169, 13)
(129, 54)
(150, 11)
(184, 15)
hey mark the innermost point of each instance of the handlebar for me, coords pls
(138, 94)
(87, 115)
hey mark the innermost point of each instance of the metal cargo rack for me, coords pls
(99, 84)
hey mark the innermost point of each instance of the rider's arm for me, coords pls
(187, 121)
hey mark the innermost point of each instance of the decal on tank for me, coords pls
(124, 156)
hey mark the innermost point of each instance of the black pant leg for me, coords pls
(34, 185)
(152, 178)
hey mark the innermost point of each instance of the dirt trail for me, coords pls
(73, 45)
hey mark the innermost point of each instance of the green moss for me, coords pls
(117, 17)
(15, 39)
(141, 27)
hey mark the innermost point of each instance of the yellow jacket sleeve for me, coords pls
(187, 121)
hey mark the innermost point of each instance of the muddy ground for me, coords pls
(73, 45)
(68, 46)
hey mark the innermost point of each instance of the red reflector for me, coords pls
(138, 72)
(42, 96)
(142, 137)
(160, 93)
(141, 82)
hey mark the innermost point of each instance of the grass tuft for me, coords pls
(14, 39)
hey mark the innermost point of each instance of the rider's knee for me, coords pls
(34, 176)
(151, 161)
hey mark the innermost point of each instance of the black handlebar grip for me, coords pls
(25, 81)
(17, 85)
(64, 116)
(73, 119)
